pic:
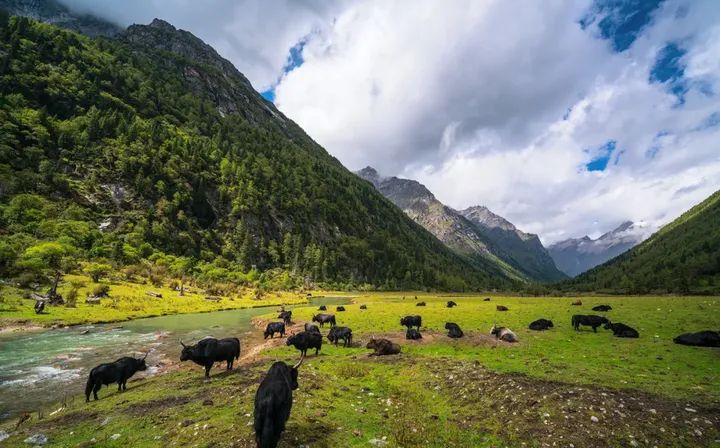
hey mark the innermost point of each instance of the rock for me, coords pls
(652, 411)
(37, 439)
(594, 419)
(3, 435)
(106, 421)
(207, 402)
(690, 410)
(357, 432)
(377, 442)
(115, 436)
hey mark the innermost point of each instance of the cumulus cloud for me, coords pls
(504, 105)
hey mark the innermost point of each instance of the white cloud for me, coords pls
(469, 98)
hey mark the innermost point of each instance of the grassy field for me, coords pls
(554, 388)
(126, 300)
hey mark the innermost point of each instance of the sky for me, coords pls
(567, 118)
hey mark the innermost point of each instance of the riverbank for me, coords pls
(126, 301)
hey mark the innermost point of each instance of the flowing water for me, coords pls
(41, 368)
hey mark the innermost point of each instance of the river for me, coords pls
(38, 369)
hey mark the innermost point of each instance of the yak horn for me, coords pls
(181, 343)
(300, 362)
(147, 353)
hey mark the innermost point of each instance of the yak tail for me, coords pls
(89, 386)
(266, 435)
(237, 352)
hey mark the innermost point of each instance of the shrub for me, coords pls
(71, 298)
(101, 291)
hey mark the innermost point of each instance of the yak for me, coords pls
(541, 324)
(454, 330)
(622, 330)
(286, 316)
(208, 351)
(273, 402)
(589, 320)
(486, 299)
(363, 307)
(274, 327)
(337, 333)
(383, 347)
(39, 306)
(602, 308)
(578, 302)
(707, 338)
(323, 319)
(306, 340)
(113, 372)
(503, 333)
(451, 304)
(311, 327)
(411, 321)
(413, 334)
(420, 304)
(322, 308)
(340, 308)
(501, 308)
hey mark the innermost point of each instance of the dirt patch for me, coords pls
(149, 406)
(70, 419)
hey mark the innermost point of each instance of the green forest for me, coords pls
(683, 257)
(117, 154)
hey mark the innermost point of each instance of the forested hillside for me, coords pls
(150, 148)
(682, 257)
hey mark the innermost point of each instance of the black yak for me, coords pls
(273, 402)
(363, 307)
(622, 330)
(501, 308)
(602, 308)
(541, 324)
(590, 321)
(274, 327)
(323, 319)
(311, 327)
(383, 347)
(340, 308)
(114, 372)
(286, 316)
(420, 304)
(451, 304)
(337, 333)
(306, 340)
(413, 334)
(411, 321)
(322, 308)
(39, 306)
(454, 330)
(707, 338)
(208, 351)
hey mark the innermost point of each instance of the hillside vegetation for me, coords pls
(682, 257)
(152, 150)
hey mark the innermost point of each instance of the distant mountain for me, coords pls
(54, 13)
(682, 257)
(476, 233)
(577, 255)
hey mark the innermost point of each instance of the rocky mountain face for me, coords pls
(577, 255)
(475, 232)
(54, 13)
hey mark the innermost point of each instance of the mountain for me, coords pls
(149, 146)
(477, 233)
(682, 257)
(577, 255)
(53, 12)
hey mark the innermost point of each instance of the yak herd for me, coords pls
(273, 399)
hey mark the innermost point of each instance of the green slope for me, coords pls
(151, 146)
(682, 257)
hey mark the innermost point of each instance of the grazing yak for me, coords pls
(589, 320)
(451, 304)
(622, 330)
(208, 351)
(413, 334)
(578, 302)
(323, 319)
(420, 304)
(311, 327)
(486, 299)
(363, 307)
(274, 327)
(340, 308)
(707, 338)
(602, 308)
(337, 333)
(454, 330)
(322, 308)
(503, 333)
(411, 321)
(113, 372)
(541, 324)
(306, 340)
(383, 347)
(273, 402)
(286, 316)
(501, 308)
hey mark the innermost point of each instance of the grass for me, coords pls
(442, 393)
(126, 301)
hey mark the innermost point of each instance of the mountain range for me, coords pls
(576, 255)
(476, 233)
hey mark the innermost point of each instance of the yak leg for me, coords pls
(96, 388)
(207, 370)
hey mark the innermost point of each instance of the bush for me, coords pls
(71, 298)
(101, 291)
